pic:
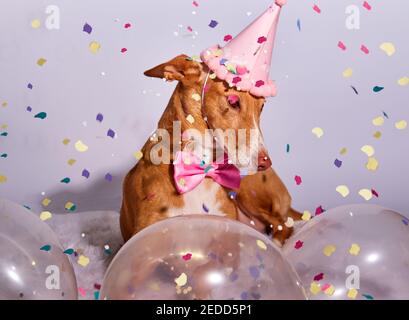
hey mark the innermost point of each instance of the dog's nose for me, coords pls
(264, 161)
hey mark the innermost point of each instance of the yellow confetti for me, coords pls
(45, 215)
(69, 205)
(41, 62)
(71, 162)
(4, 104)
(66, 141)
(329, 250)
(213, 76)
(196, 97)
(366, 194)
(343, 151)
(4, 126)
(343, 190)
(347, 73)
(261, 245)
(352, 293)
(318, 132)
(403, 81)
(289, 223)
(80, 146)
(138, 155)
(315, 288)
(401, 125)
(306, 216)
(3, 179)
(83, 261)
(372, 164)
(388, 48)
(355, 249)
(377, 135)
(46, 202)
(379, 121)
(181, 280)
(368, 150)
(330, 290)
(190, 119)
(35, 24)
(94, 47)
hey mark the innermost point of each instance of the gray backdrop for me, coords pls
(75, 85)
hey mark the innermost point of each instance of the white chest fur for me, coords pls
(201, 200)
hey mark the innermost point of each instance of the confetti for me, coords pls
(343, 190)
(127, 25)
(3, 155)
(388, 48)
(205, 209)
(94, 47)
(124, 50)
(377, 89)
(80, 146)
(315, 288)
(366, 194)
(83, 261)
(66, 180)
(298, 180)
(66, 142)
(3, 178)
(377, 135)
(35, 24)
(329, 250)
(288, 148)
(368, 150)
(181, 280)
(46, 202)
(261, 40)
(298, 245)
(364, 49)
(306, 216)
(355, 90)
(254, 272)
(342, 46)
(45, 215)
(318, 132)
(111, 133)
(319, 211)
(41, 115)
(367, 6)
(82, 292)
(260, 83)
(69, 251)
(343, 151)
(299, 25)
(379, 121)
(196, 97)
(85, 173)
(213, 24)
(187, 257)
(375, 193)
(96, 295)
(71, 162)
(338, 163)
(352, 293)
(30, 86)
(347, 73)
(261, 245)
(403, 81)
(328, 289)
(372, 164)
(401, 125)
(47, 247)
(41, 62)
(289, 223)
(100, 117)
(368, 297)
(354, 250)
(70, 206)
(316, 9)
(108, 177)
(138, 155)
(319, 277)
(227, 38)
(87, 28)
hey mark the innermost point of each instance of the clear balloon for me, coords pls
(200, 257)
(353, 252)
(32, 263)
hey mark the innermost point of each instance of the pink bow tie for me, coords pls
(189, 172)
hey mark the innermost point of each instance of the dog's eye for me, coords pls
(234, 101)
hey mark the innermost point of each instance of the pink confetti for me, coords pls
(262, 40)
(298, 180)
(375, 193)
(195, 3)
(123, 50)
(316, 9)
(319, 211)
(298, 245)
(260, 83)
(342, 46)
(127, 25)
(319, 277)
(82, 292)
(325, 287)
(227, 38)
(189, 28)
(367, 6)
(364, 49)
(236, 80)
(187, 257)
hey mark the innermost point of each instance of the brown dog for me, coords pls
(149, 193)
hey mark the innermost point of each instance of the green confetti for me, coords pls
(96, 295)
(47, 247)
(288, 148)
(368, 296)
(4, 134)
(66, 180)
(69, 251)
(378, 89)
(41, 115)
(4, 155)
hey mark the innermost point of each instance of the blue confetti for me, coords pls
(205, 209)
(85, 173)
(213, 24)
(87, 28)
(254, 272)
(299, 24)
(338, 163)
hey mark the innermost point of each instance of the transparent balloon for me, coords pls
(32, 263)
(353, 252)
(200, 257)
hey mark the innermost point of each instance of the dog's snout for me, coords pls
(264, 161)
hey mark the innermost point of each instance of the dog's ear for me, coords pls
(181, 68)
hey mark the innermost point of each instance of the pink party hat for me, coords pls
(245, 61)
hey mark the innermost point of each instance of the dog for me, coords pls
(149, 191)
